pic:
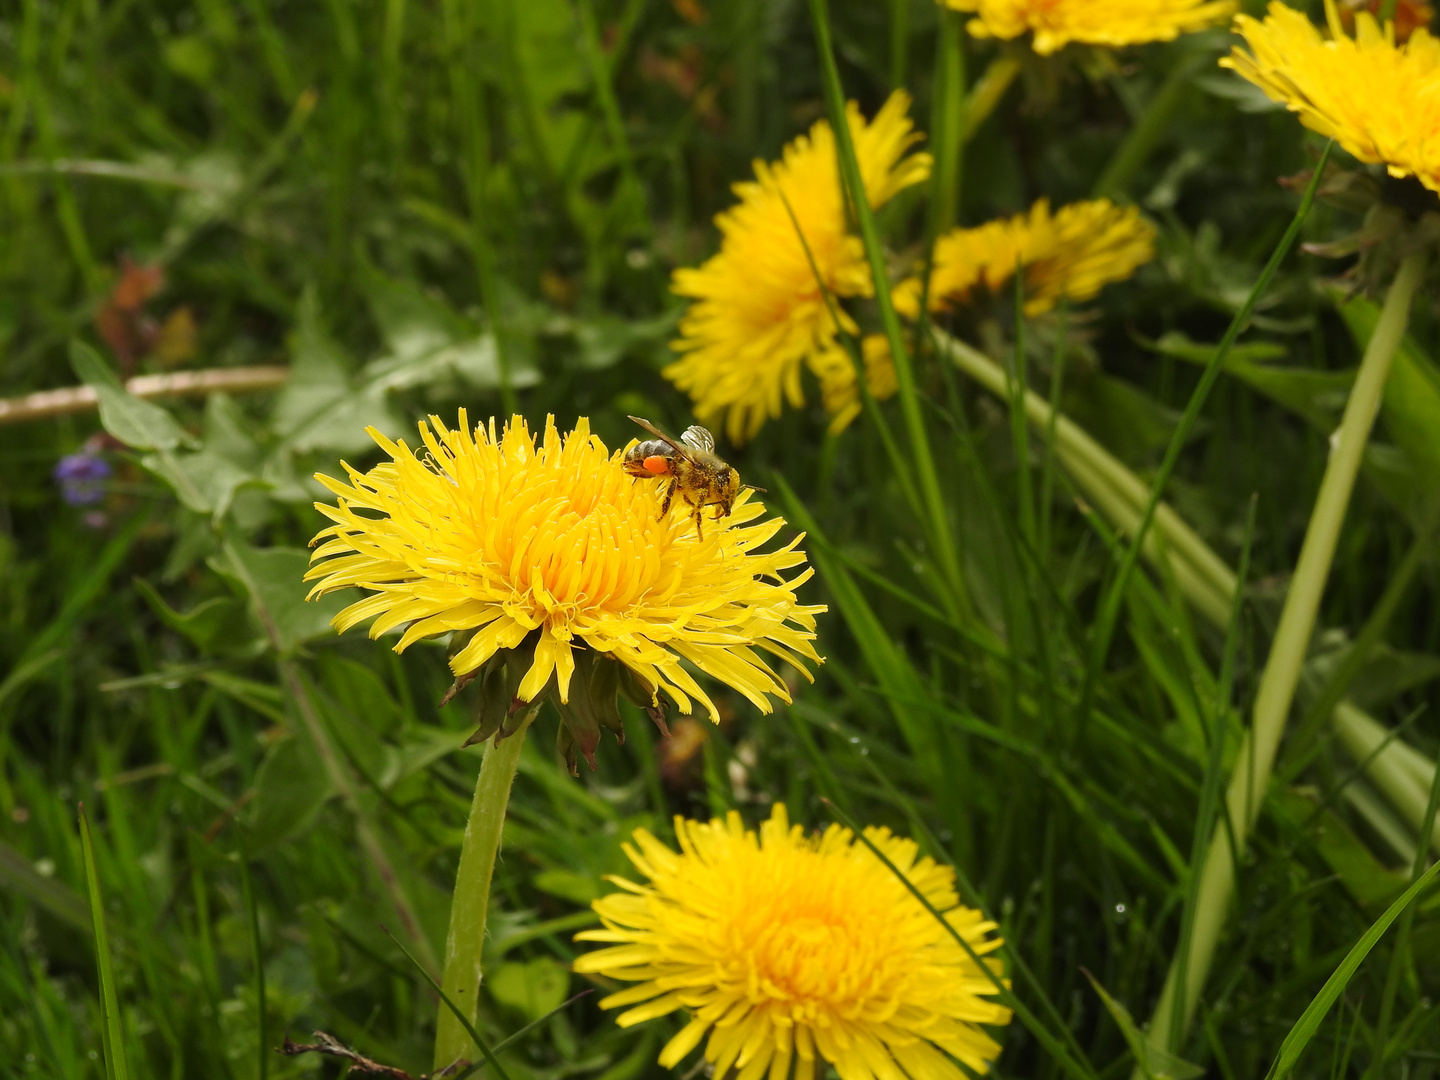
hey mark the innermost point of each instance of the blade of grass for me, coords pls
(463, 1020)
(923, 460)
(1109, 610)
(1305, 1028)
(112, 1029)
(1400, 958)
(1214, 773)
(516, 1036)
(1252, 775)
(253, 918)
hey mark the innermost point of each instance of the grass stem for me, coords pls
(941, 536)
(1287, 654)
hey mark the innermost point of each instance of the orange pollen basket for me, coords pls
(657, 465)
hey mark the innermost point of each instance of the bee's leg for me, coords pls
(699, 532)
(669, 494)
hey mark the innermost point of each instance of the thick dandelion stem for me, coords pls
(1282, 670)
(468, 907)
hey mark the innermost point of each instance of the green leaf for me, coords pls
(274, 579)
(215, 625)
(532, 988)
(604, 340)
(1411, 406)
(568, 885)
(112, 1030)
(1153, 1062)
(203, 482)
(291, 786)
(1318, 396)
(1304, 1030)
(1360, 872)
(135, 422)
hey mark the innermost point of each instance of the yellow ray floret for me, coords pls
(555, 545)
(759, 310)
(1379, 100)
(792, 946)
(1110, 23)
(1071, 253)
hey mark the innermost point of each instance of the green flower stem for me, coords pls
(1399, 770)
(468, 907)
(1287, 656)
(1119, 492)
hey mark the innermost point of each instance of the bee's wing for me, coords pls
(698, 438)
(684, 448)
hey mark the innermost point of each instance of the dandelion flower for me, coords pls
(1379, 100)
(554, 549)
(1109, 23)
(759, 310)
(1072, 253)
(795, 946)
(838, 388)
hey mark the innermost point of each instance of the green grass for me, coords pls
(419, 207)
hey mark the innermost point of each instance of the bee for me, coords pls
(693, 468)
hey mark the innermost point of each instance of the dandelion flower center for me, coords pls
(799, 946)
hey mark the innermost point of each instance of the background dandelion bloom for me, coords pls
(1111, 23)
(1379, 100)
(555, 544)
(759, 310)
(1072, 253)
(799, 946)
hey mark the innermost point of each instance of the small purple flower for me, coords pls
(81, 478)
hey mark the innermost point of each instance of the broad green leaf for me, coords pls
(568, 885)
(1318, 396)
(274, 579)
(1360, 872)
(532, 988)
(413, 322)
(1411, 407)
(215, 625)
(134, 421)
(604, 340)
(291, 786)
(203, 482)
(319, 380)
(424, 744)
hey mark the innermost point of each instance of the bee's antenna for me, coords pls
(752, 487)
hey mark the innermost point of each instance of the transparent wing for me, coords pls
(653, 430)
(697, 438)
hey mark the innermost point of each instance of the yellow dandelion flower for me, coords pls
(556, 548)
(1072, 253)
(759, 310)
(838, 389)
(799, 946)
(1379, 100)
(1110, 23)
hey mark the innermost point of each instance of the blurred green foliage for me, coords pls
(416, 207)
